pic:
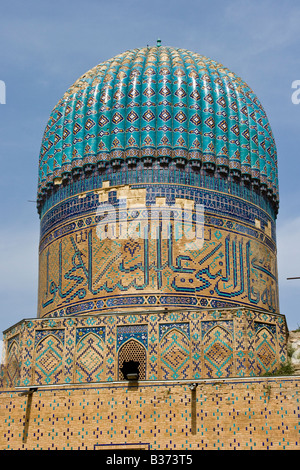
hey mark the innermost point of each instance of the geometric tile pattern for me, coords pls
(179, 105)
(125, 333)
(13, 361)
(173, 344)
(218, 351)
(175, 354)
(265, 344)
(90, 357)
(48, 360)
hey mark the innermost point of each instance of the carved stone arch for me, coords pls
(174, 355)
(132, 350)
(89, 359)
(218, 360)
(48, 361)
(265, 349)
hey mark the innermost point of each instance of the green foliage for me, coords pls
(286, 368)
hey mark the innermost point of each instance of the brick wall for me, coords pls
(250, 413)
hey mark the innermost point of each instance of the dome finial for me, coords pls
(158, 42)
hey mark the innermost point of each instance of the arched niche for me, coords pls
(132, 351)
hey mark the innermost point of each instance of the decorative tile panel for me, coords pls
(176, 344)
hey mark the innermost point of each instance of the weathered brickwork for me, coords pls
(253, 413)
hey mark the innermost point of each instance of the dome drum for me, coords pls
(90, 170)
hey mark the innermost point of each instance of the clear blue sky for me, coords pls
(46, 46)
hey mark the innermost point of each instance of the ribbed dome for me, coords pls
(160, 103)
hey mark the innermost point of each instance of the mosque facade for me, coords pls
(157, 198)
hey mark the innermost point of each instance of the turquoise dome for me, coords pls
(165, 104)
